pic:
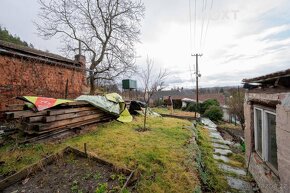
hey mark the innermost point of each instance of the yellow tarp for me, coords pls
(125, 116)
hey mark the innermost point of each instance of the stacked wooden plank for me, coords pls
(59, 118)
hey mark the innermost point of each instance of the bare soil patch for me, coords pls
(71, 173)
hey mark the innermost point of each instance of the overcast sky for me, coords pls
(244, 38)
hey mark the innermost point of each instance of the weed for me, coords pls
(75, 186)
(239, 158)
(97, 176)
(87, 176)
(102, 188)
(113, 176)
(121, 179)
(38, 147)
(197, 189)
(125, 190)
(115, 189)
(243, 147)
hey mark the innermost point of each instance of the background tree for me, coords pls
(6, 36)
(106, 29)
(151, 83)
(236, 105)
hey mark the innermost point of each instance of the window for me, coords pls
(265, 135)
(258, 124)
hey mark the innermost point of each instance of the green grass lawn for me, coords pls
(163, 155)
(177, 112)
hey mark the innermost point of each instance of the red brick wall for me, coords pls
(20, 77)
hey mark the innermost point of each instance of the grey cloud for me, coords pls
(234, 78)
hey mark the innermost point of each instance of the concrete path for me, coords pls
(222, 154)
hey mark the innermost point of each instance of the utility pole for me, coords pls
(197, 75)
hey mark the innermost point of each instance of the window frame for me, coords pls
(256, 131)
(265, 134)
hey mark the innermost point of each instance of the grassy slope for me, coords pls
(163, 154)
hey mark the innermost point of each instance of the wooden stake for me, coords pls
(85, 147)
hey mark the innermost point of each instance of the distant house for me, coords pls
(27, 71)
(267, 132)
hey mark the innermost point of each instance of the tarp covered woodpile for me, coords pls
(111, 103)
(43, 115)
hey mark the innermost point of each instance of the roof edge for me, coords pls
(279, 74)
(35, 52)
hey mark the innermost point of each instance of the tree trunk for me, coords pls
(92, 83)
(145, 117)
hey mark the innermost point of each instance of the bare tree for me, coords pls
(106, 29)
(151, 83)
(236, 106)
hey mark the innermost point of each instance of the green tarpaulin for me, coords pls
(111, 103)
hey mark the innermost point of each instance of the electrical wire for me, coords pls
(191, 74)
(190, 28)
(208, 22)
(203, 21)
(194, 24)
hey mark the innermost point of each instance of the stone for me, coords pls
(221, 141)
(215, 135)
(214, 132)
(221, 157)
(239, 184)
(212, 129)
(237, 171)
(208, 122)
(216, 145)
(224, 152)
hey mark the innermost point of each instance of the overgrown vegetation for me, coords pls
(191, 107)
(8, 37)
(208, 104)
(212, 177)
(209, 108)
(236, 105)
(163, 156)
(214, 113)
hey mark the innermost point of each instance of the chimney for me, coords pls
(79, 58)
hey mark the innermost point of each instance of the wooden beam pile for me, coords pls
(62, 117)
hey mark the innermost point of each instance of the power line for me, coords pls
(191, 74)
(190, 28)
(207, 26)
(203, 20)
(195, 24)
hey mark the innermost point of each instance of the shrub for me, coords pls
(192, 107)
(207, 104)
(214, 113)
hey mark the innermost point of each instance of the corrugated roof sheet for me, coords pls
(267, 77)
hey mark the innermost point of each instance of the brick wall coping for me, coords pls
(11, 49)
